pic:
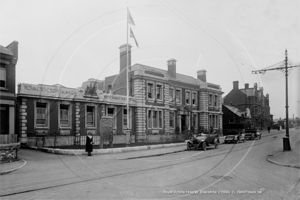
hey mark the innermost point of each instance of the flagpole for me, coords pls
(127, 80)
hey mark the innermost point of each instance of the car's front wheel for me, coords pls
(203, 146)
(216, 144)
(188, 146)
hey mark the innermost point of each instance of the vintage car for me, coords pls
(234, 137)
(233, 133)
(252, 133)
(202, 141)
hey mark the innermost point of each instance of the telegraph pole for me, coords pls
(286, 139)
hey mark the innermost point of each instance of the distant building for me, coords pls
(234, 118)
(8, 61)
(253, 99)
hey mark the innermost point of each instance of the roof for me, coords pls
(248, 91)
(179, 77)
(186, 78)
(235, 110)
(4, 50)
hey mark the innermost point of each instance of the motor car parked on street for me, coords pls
(234, 138)
(252, 133)
(202, 141)
(234, 133)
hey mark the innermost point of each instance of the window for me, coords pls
(178, 96)
(41, 115)
(2, 76)
(194, 121)
(216, 121)
(159, 92)
(149, 119)
(231, 120)
(90, 116)
(160, 119)
(64, 115)
(194, 98)
(111, 113)
(125, 123)
(172, 119)
(150, 91)
(155, 119)
(216, 100)
(171, 94)
(210, 100)
(188, 97)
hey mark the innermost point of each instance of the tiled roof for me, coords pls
(5, 50)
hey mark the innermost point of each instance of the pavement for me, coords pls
(288, 158)
(283, 158)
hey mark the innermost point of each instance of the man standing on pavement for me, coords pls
(89, 144)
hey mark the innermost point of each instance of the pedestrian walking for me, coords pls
(269, 129)
(89, 143)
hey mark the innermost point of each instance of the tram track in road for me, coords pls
(136, 170)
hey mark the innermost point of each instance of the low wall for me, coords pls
(51, 141)
(9, 152)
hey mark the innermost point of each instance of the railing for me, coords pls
(8, 139)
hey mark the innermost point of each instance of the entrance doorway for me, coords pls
(183, 123)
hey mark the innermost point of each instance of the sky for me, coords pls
(69, 41)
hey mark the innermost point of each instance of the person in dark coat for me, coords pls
(89, 144)
(269, 129)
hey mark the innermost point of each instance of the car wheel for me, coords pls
(216, 144)
(188, 146)
(203, 146)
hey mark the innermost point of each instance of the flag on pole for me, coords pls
(130, 20)
(132, 35)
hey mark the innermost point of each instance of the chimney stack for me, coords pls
(172, 67)
(246, 85)
(255, 85)
(235, 85)
(201, 75)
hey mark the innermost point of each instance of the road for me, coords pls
(233, 171)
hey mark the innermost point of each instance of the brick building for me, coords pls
(167, 102)
(8, 136)
(253, 99)
(162, 105)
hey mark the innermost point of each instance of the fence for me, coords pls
(8, 139)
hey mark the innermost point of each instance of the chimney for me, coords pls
(172, 67)
(261, 88)
(235, 85)
(123, 57)
(267, 95)
(255, 85)
(201, 75)
(247, 86)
